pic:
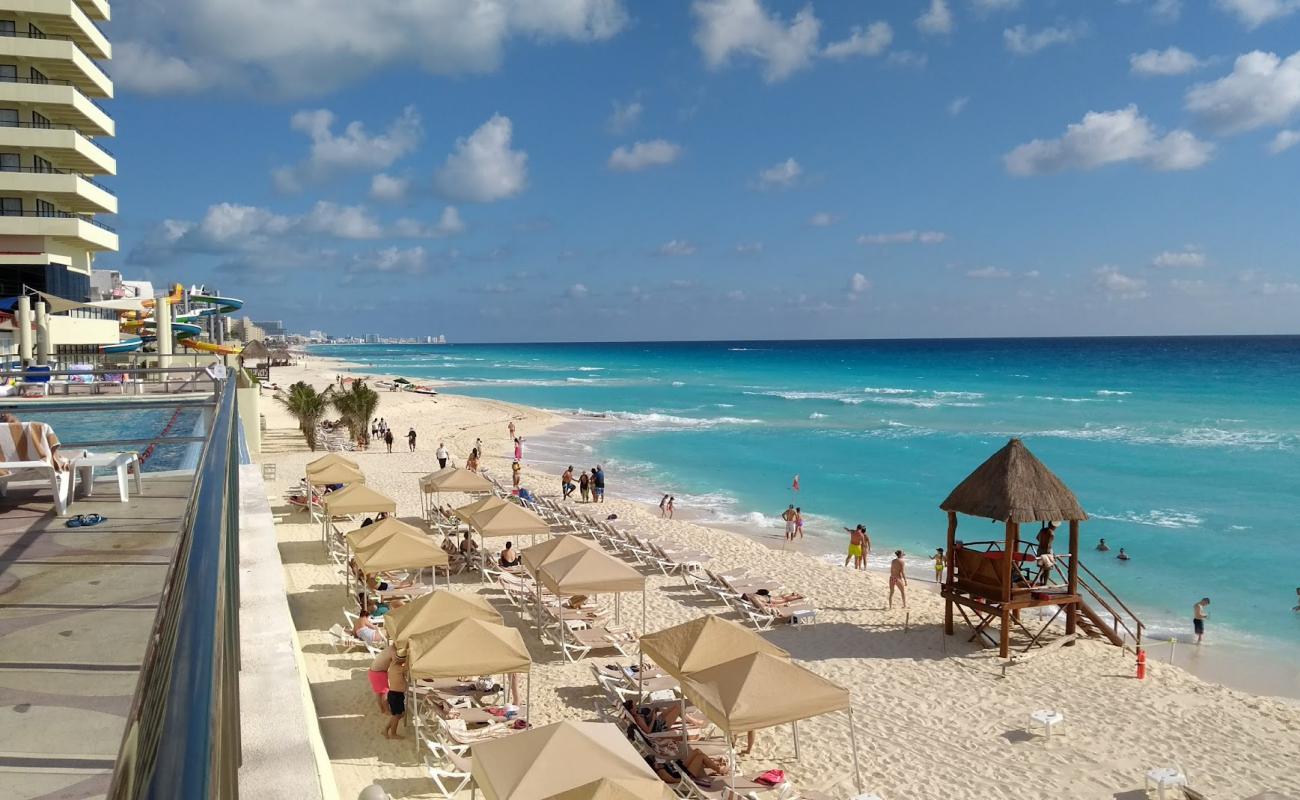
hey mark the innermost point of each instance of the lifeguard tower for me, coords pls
(996, 580)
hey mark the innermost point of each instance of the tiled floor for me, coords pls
(76, 606)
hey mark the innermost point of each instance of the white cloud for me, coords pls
(1191, 288)
(140, 68)
(858, 284)
(936, 19)
(448, 223)
(1109, 137)
(1170, 61)
(389, 188)
(871, 41)
(344, 222)
(298, 49)
(642, 155)
(1024, 42)
(483, 168)
(780, 176)
(1118, 286)
(577, 291)
(1284, 141)
(405, 261)
(735, 296)
(352, 149)
(908, 58)
(989, 6)
(823, 219)
(745, 28)
(988, 273)
(1188, 257)
(1262, 90)
(749, 248)
(1254, 13)
(1166, 10)
(676, 247)
(957, 106)
(1270, 288)
(904, 237)
(624, 117)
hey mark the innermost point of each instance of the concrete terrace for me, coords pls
(76, 607)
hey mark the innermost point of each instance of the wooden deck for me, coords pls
(76, 607)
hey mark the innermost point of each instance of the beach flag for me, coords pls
(795, 485)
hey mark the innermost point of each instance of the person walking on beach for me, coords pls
(388, 440)
(939, 564)
(788, 516)
(519, 448)
(798, 522)
(478, 445)
(566, 482)
(1200, 614)
(897, 578)
(584, 486)
(378, 675)
(599, 483)
(1045, 536)
(410, 439)
(671, 500)
(441, 455)
(859, 546)
(511, 428)
(514, 473)
(374, 428)
(663, 506)
(397, 684)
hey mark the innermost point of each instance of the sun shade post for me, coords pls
(853, 741)
(794, 730)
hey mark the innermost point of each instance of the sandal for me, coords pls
(76, 522)
(92, 519)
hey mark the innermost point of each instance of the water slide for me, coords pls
(209, 347)
(125, 346)
(218, 305)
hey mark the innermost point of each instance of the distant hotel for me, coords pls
(51, 124)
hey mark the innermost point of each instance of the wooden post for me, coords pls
(1072, 610)
(948, 575)
(1012, 540)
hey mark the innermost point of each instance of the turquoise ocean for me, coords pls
(1184, 451)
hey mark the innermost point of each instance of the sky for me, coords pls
(598, 170)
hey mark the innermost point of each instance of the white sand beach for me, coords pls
(936, 716)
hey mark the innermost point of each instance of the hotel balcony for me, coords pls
(64, 18)
(96, 9)
(59, 58)
(59, 101)
(67, 147)
(74, 193)
(82, 232)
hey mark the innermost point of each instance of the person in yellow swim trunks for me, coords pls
(859, 547)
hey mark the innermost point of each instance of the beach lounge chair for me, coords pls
(35, 382)
(576, 644)
(763, 617)
(343, 640)
(31, 450)
(451, 776)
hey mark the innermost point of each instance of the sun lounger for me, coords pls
(576, 644)
(763, 617)
(343, 640)
(451, 776)
(31, 450)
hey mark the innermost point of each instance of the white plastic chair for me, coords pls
(450, 779)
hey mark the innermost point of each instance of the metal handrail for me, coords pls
(56, 126)
(183, 735)
(1137, 635)
(56, 82)
(58, 214)
(57, 171)
(16, 34)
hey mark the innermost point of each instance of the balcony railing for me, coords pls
(56, 214)
(51, 126)
(54, 171)
(55, 36)
(55, 82)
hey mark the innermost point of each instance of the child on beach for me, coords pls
(897, 578)
(939, 564)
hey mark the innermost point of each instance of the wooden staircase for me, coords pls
(1102, 615)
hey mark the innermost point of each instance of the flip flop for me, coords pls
(92, 519)
(76, 522)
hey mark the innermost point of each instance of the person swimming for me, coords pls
(1122, 555)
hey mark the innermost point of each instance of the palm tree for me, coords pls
(357, 405)
(308, 407)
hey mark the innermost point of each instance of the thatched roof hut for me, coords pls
(256, 349)
(1014, 486)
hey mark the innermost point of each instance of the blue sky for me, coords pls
(606, 169)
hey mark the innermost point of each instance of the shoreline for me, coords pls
(1245, 667)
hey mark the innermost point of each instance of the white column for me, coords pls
(43, 348)
(25, 329)
(162, 314)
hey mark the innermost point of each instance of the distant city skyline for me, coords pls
(719, 169)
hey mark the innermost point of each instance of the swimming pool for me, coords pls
(117, 424)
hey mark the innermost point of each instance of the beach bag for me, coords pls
(773, 777)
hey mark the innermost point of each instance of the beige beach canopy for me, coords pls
(564, 760)
(1014, 486)
(327, 460)
(435, 610)
(759, 691)
(371, 535)
(358, 499)
(335, 473)
(553, 549)
(454, 479)
(703, 643)
(507, 519)
(401, 551)
(467, 511)
(590, 572)
(467, 647)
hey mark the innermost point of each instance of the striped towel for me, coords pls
(28, 441)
